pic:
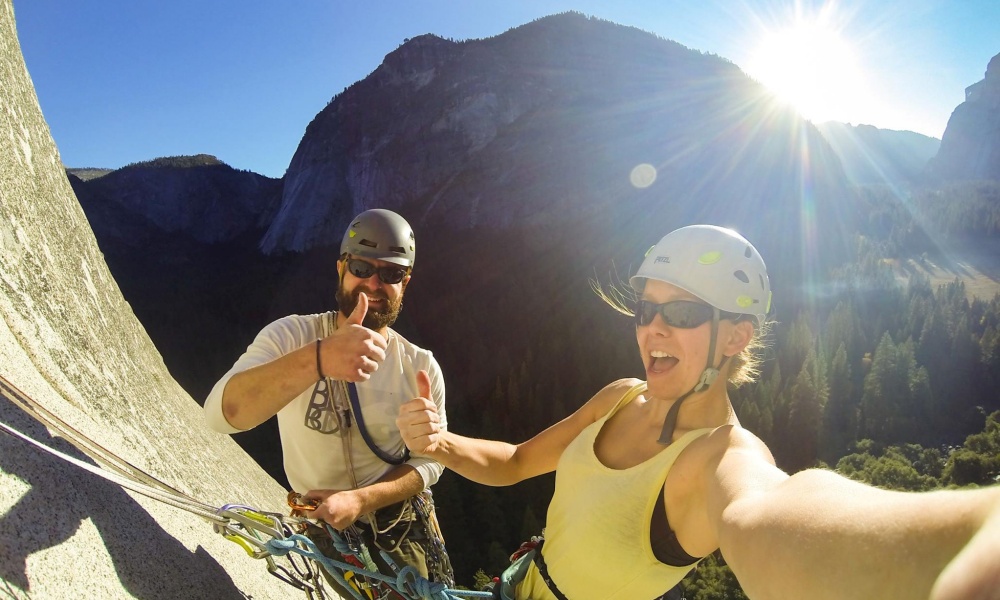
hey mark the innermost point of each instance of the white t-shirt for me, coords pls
(311, 439)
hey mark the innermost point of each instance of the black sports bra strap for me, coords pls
(662, 538)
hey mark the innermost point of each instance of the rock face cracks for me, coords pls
(70, 341)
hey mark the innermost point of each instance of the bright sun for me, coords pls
(809, 66)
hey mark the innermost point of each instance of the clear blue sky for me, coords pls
(121, 81)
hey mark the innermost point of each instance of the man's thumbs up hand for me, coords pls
(353, 352)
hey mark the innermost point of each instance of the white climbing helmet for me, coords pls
(715, 264)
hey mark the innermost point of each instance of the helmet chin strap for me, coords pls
(708, 377)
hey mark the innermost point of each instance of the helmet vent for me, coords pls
(397, 249)
(369, 243)
(748, 252)
(741, 276)
(762, 286)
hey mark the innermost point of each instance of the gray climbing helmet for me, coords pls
(715, 264)
(381, 234)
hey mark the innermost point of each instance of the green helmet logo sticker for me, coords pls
(710, 258)
(744, 301)
(352, 233)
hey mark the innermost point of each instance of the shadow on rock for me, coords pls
(150, 563)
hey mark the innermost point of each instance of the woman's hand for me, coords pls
(418, 421)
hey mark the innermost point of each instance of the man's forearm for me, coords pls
(398, 484)
(257, 394)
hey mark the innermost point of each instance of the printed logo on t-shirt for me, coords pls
(321, 414)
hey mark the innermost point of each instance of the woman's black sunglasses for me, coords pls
(363, 270)
(684, 314)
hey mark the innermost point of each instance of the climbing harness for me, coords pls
(262, 535)
(417, 510)
(528, 553)
(543, 570)
(438, 561)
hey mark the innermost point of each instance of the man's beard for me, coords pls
(374, 319)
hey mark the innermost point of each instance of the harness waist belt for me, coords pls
(544, 572)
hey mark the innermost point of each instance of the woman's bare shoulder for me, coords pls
(733, 443)
(620, 387)
(609, 395)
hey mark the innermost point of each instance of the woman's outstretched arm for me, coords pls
(819, 535)
(493, 462)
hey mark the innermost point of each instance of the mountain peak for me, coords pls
(993, 68)
(570, 94)
(970, 148)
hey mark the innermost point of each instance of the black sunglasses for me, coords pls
(363, 270)
(683, 314)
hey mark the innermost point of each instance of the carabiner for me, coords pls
(299, 503)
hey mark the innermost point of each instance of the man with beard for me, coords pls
(336, 381)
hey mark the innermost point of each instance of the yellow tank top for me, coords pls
(597, 526)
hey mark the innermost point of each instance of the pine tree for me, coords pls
(896, 394)
(805, 416)
(881, 383)
(840, 419)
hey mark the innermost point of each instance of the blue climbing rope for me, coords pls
(407, 583)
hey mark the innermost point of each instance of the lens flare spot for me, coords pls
(643, 176)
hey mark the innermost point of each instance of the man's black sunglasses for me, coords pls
(363, 270)
(683, 314)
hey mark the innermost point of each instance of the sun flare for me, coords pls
(811, 67)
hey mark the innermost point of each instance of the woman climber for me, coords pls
(659, 473)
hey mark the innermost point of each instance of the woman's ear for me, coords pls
(738, 338)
